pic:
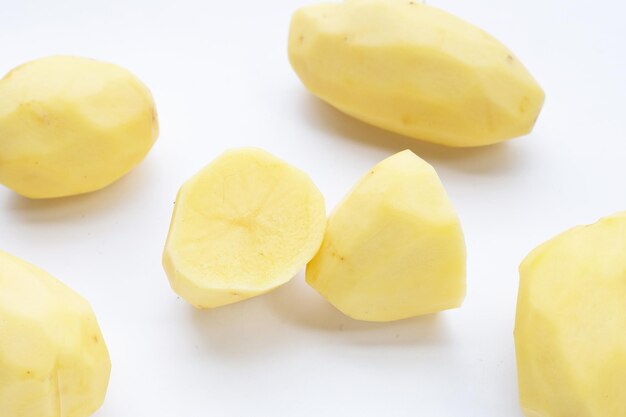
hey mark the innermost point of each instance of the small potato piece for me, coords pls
(72, 125)
(394, 247)
(414, 70)
(53, 359)
(570, 329)
(242, 226)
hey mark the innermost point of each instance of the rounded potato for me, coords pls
(53, 359)
(570, 329)
(71, 125)
(414, 70)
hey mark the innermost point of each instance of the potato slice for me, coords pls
(242, 226)
(72, 125)
(53, 359)
(570, 330)
(414, 70)
(394, 247)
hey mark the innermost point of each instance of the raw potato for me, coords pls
(414, 70)
(53, 360)
(394, 247)
(242, 226)
(72, 125)
(570, 331)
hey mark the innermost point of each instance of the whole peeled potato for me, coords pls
(414, 70)
(71, 125)
(53, 359)
(570, 329)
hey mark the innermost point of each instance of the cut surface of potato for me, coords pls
(242, 226)
(570, 330)
(414, 70)
(71, 125)
(53, 359)
(393, 247)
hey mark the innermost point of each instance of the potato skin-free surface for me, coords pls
(414, 70)
(53, 359)
(242, 226)
(570, 330)
(393, 247)
(71, 125)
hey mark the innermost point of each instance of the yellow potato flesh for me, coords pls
(72, 125)
(414, 70)
(570, 330)
(242, 226)
(394, 247)
(53, 359)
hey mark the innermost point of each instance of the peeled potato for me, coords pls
(414, 70)
(53, 360)
(72, 125)
(570, 331)
(242, 226)
(394, 247)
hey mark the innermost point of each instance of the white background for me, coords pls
(221, 79)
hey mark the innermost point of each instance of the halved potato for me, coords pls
(242, 226)
(394, 247)
(53, 359)
(570, 330)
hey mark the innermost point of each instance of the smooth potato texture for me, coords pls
(72, 125)
(242, 226)
(53, 359)
(393, 247)
(570, 330)
(414, 70)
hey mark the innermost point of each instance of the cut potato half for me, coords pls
(394, 247)
(242, 226)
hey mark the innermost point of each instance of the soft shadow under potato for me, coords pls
(301, 306)
(106, 200)
(485, 160)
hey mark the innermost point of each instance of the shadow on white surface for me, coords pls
(302, 306)
(502, 157)
(272, 321)
(77, 207)
(106, 411)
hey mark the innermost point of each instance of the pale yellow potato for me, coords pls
(244, 225)
(414, 70)
(570, 330)
(72, 125)
(53, 359)
(393, 247)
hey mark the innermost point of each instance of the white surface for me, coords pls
(220, 76)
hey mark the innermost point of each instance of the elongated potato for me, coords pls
(570, 330)
(71, 125)
(53, 360)
(414, 70)
(242, 226)
(393, 247)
